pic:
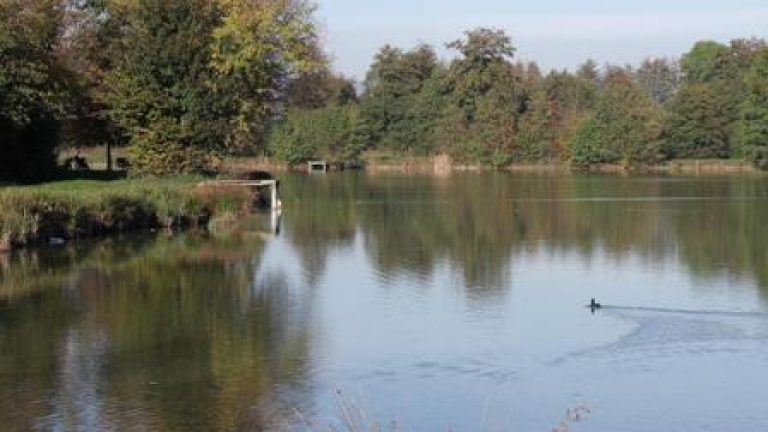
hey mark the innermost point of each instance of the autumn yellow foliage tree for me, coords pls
(200, 78)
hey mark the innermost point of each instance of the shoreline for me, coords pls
(64, 211)
(61, 212)
(441, 165)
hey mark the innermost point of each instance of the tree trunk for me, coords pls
(109, 156)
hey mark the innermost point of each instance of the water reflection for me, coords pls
(147, 334)
(478, 223)
(446, 290)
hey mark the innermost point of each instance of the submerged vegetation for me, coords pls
(79, 209)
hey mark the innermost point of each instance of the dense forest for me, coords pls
(184, 83)
(486, 107)
(181, 82)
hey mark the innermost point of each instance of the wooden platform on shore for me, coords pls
(273, 185)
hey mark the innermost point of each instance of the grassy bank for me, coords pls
(79, 209)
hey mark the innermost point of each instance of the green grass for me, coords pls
(86, 208)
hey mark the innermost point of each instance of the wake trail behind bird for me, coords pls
(641, 199)
(609, 308)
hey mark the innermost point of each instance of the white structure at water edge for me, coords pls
(318, 166)
(256, 185)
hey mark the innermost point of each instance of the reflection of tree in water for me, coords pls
(147, 333)
(322, 217)
(413, 232)
(728, 236)
(476, 224)
(172, 337)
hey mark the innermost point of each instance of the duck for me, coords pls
(595, 305)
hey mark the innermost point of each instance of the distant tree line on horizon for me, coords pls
(485, 107)
(183, 83)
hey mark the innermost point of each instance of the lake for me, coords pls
(422, 303)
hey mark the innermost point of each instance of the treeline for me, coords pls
(485, 107)
(182, 82)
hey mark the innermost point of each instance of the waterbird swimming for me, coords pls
(595, 305)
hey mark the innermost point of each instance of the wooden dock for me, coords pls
(256, 185)
(318, 166)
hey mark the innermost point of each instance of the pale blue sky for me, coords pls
(555, 33)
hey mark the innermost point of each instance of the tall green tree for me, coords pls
(567, 101)
(83, 49)
(427, 112)
(659, 77)
(698, 124)
(535, 140)
(328, 133)
(707, 61)
(318, 88)
(161, 85)
(33, 88)
(392, 87)
(256, 51)
(624, 127)
(193, 79)
(485, 56)
(753, 118)
(703, 116)
(486, 100)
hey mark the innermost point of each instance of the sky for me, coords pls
(554, 33)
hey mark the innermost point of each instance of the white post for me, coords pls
(276, 219)
(276, 204)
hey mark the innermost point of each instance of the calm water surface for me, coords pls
(432, 303)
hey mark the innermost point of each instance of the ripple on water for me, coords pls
(494, 373)
(668, 333)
